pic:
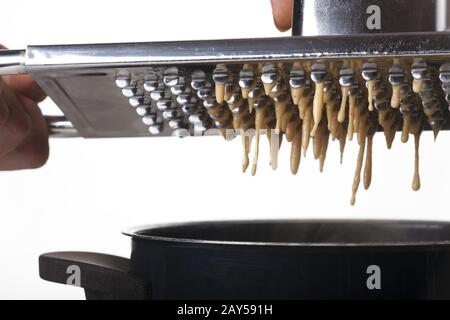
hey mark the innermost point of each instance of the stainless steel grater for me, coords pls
(169, 88)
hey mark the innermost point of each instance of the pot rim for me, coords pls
(135, 233)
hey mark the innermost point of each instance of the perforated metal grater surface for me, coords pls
(362, 49)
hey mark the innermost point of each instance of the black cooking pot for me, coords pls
(267, 260)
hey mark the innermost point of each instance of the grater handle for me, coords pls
(60, 127)
(12, 62)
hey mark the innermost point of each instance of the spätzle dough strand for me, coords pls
(246, 148)
(256, 154)
(324, 149)
(363, 127)
(334, 125)
(435, 134)
(286, 119)
(220, 92)
(351, 117)
(342, 143)
(280, 111)
(291, 130)
(236, 123)
(357, 118)
(303, 105)
(406, 128)
(417, 85)
(416, 179)
(395, 100)
(259, 124)
(296, 151)
(269, 134)
(318, 106)
(306, 129)
(318, 141)
(343, 109)
(368, 164)
(297, 94)
(268, 87)
(391, 132)
(274, 138)
(357, 179)
(371, 93)
(382, 115)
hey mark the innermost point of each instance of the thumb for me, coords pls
(282, 14)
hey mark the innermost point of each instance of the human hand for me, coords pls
(23, 129)
(282, 14)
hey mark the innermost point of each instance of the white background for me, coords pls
(92, 189)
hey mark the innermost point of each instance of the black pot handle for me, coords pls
(101, 276)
